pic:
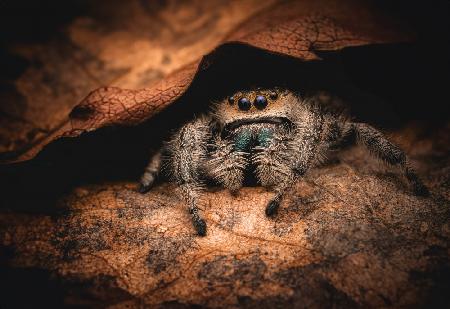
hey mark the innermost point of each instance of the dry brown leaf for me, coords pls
(129, 44)
(296, 29)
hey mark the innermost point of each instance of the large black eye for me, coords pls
(244, 104)
(260, 102)
(231, 99)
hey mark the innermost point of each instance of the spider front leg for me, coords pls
(285, 156)
(151, 172)
(285, 182)
(280, 189)
(390, 153)
(279, 164)
(273, 170)
(226, 165)
(188, 150)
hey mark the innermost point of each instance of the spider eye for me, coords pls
(244, 104)
(260, 102)
(273, 95)
(231, 99)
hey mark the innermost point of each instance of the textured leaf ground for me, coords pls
(350, 235)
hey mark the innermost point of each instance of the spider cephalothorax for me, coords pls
(273, 133)
(257, 106)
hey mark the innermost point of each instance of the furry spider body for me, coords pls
(273, 133)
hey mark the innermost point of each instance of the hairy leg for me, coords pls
(280, 190)
(187, 151)
(287, 156)
(225, 165)
(150, 173)
(273, 169)
(390, 153)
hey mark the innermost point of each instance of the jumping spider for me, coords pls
(274, 131)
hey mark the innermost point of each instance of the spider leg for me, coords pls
(390, 153)
(280, 190)
(191, 192)
(225, 165)
(302, 163)
(287, 158)
(150, 173)
(188, 150)
(273, 170)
